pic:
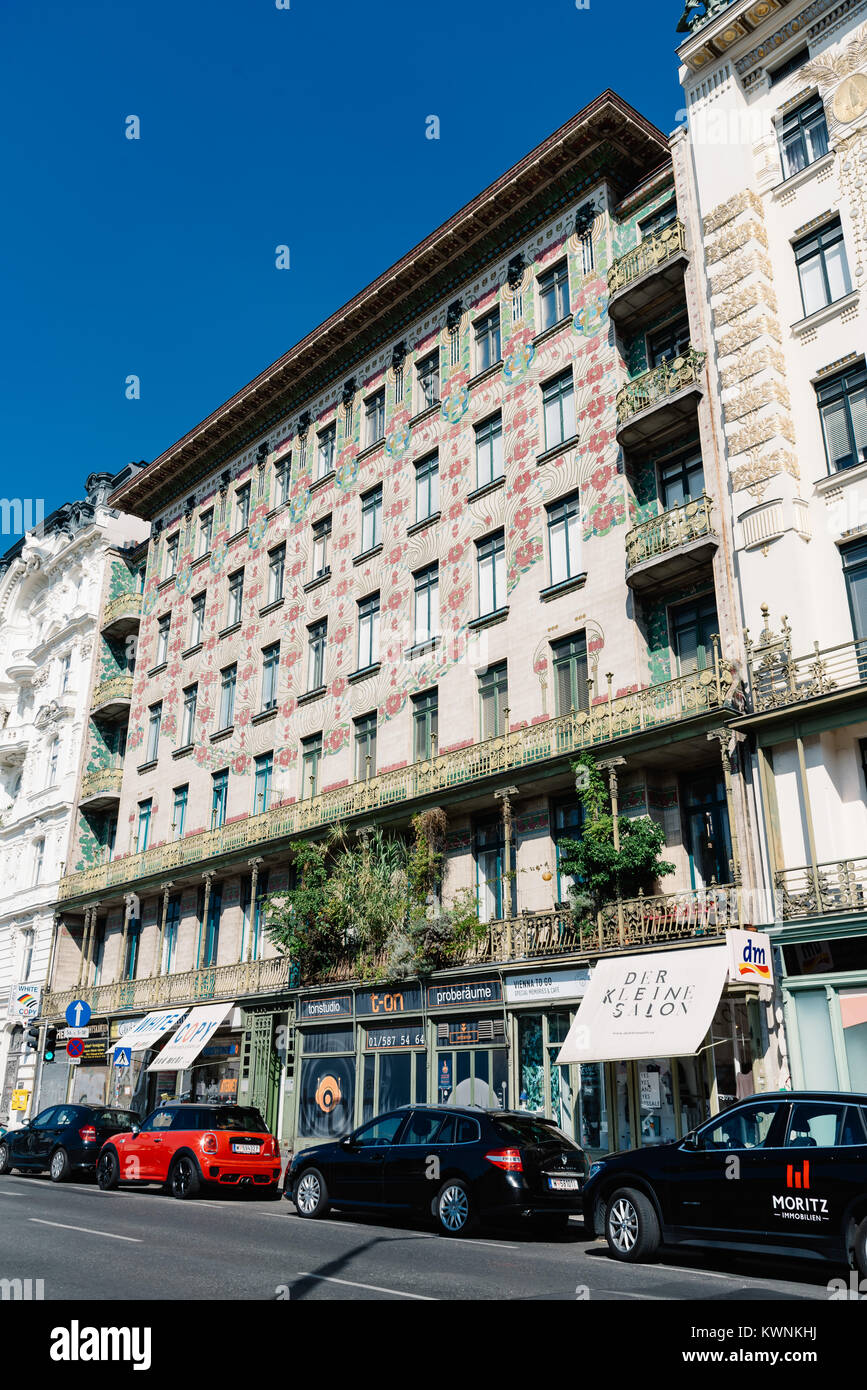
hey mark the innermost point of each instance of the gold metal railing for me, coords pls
(655, 706)
(653, 251)
(778, 678)
(115, 688)
(106, 781)
(659, 383)
(669, 530)
(814, 889)
(156, 991)
(124, 606)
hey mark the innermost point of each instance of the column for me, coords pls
(505, 795)
(610, 765)
(254, 883)
(724, 738)
(208, 876)
(158, 957)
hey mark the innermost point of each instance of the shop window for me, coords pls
(818, 1061)
(853, 1015)
(327, 1092)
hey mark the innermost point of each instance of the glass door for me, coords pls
(707, 823)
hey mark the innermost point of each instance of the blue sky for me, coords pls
(260, 127)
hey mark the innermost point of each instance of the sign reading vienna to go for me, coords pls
(187, 1041)
(546, 984)
(658, 1005)
(750, 957)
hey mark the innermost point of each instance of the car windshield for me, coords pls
(115, 1119)
(529, 1129)
(235, 1117)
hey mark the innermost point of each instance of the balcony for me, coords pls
(158, 991)
(112, 698)
(660, 401)
(14, 743)
(674, 545)
(101, 788)
(656, 707)
(814, 890)
(121, 615)
(779, 680)
(648, 276)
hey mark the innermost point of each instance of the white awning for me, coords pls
(659, 1005)
(185, 1044)
(145, 1031)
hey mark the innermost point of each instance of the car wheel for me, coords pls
(107, 1171)
(59, 1167)
(631, 1225)
(310, 1194)
(453, 1209)
(861, 1249)
(5, 1159)
(184, 1180)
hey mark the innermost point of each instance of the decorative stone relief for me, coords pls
(750, 364)
(747, 198)
(733, 239)
(766, 393)
(755, 475)
(755, 296)
(738, 268)
(747, 333)
(760, 431)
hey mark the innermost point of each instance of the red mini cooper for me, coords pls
(187, 1146)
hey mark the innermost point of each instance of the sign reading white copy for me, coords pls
(185, 1044)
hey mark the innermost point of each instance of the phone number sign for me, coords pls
(411, 1035)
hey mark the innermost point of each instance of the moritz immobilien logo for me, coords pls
(798, 1177)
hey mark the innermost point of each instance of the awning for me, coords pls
(658, 1005)
(185, 1044)
(145, 1032)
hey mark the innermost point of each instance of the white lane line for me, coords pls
(616, 1293)
(109, 1235)
(11, 1194)
(374, 1288)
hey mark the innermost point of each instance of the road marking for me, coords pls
(618, 1293)
(11, 1194)
(374, 1288)
(109, 1235)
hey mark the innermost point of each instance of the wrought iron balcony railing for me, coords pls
(812, 890)
(106, 781)
(778, 678)
(668, 531)
(156, 991)
(126, 609)
(653, 251)
(116, 688)
(659, 383)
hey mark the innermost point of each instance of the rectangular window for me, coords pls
(282, 475)
(491, 561)
(489, 450)
(368, 632)
(145, 809)
(242, 507)
(681, 480)
(197, 620)
(823, 269)
(789, 65)
(659, 220)
(553, 296)
(854, 558)
(173, 922)
(487, 334)
(189, 717)
(564, 539)
(236, 598)
(38, 860)
(316, 638)
(365, 747)
(570, 674)
(219, 797)
(668, 342)
(253, 915)
(311, 757)
(371, 520)
(276, 573)
(172, 555)
(425, 725)
(321, 547)
(212, 926)
(53, 755)
(374, 418)
(179, 811)
(843, 407)
(566, 823)
(427, 487)
(427, 605)
(428, 375)
(206, 531)
(692, 629)
(228, 681)
(264, 766)
(493, 700)
(163, 629)
(155, 716)
(270, 668)
(325, 451)
(803, 136)
(558, 403)
(65, 665)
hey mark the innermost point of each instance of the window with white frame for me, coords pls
(428, 377)
(325, 444)
(172, 555)
(427, 487)
(823, 270)
(564, 539)
(242, 507)
(368, 632)
(371, 520)
(53, 756)
(206, 531)
(487, 338)
(155, 718)
(316, 640)
(558, 404)
(236, 598)
(188, 724)
(321, 547)
(426, 587)
(270, 670)
(197, 620)
(489, 450)
(276, 572)
(374, 418)
(282, 475)
(228, 682)
(553, 295)
(491, 561)
(164, 625)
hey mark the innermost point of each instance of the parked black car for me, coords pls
(458, 1165)
(64, 1139)
(783, 1173)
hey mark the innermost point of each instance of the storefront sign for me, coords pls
(335, 1006)
(383, 1002)
(149, 1029)
(658, 1005)
(24, 1002)
(444, 1074)
(410, 1036)
(546, 984)
(187, 1041)
(750, 957)
(464, 992)
(121, 1026)
(94, 1050)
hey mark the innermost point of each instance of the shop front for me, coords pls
(824, 984)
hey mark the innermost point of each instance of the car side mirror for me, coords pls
(136, 1129)
(690, 1141)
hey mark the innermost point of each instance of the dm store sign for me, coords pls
(750, 959)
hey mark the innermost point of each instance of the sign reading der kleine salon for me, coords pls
(750, 957)
(187, 1041)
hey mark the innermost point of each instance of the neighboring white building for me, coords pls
(51, 588)
(776, 147)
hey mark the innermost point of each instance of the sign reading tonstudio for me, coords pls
(333, 1006)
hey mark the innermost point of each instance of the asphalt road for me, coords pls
(87, 1244)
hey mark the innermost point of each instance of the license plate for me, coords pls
(564, 1184)
(245, 1148)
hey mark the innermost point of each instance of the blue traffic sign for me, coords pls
(78, 1013)
(123, 1056)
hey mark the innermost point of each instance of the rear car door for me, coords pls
(41, 1137)
(820, 1172)
(409, 1172)
(359, 1176)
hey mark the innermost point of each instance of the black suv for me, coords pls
(63, 1139)
(783, 1173)
(457, 1165)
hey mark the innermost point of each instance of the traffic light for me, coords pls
(31, 1037)
(50, 1043)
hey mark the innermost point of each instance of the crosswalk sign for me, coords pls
(122, 1056)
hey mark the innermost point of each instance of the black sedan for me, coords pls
(64, 1139)
(458, 1165)
(782, 1174)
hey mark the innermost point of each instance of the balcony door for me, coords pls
(692, 628)
(681, 480)
(707, 827)
(855, 572)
